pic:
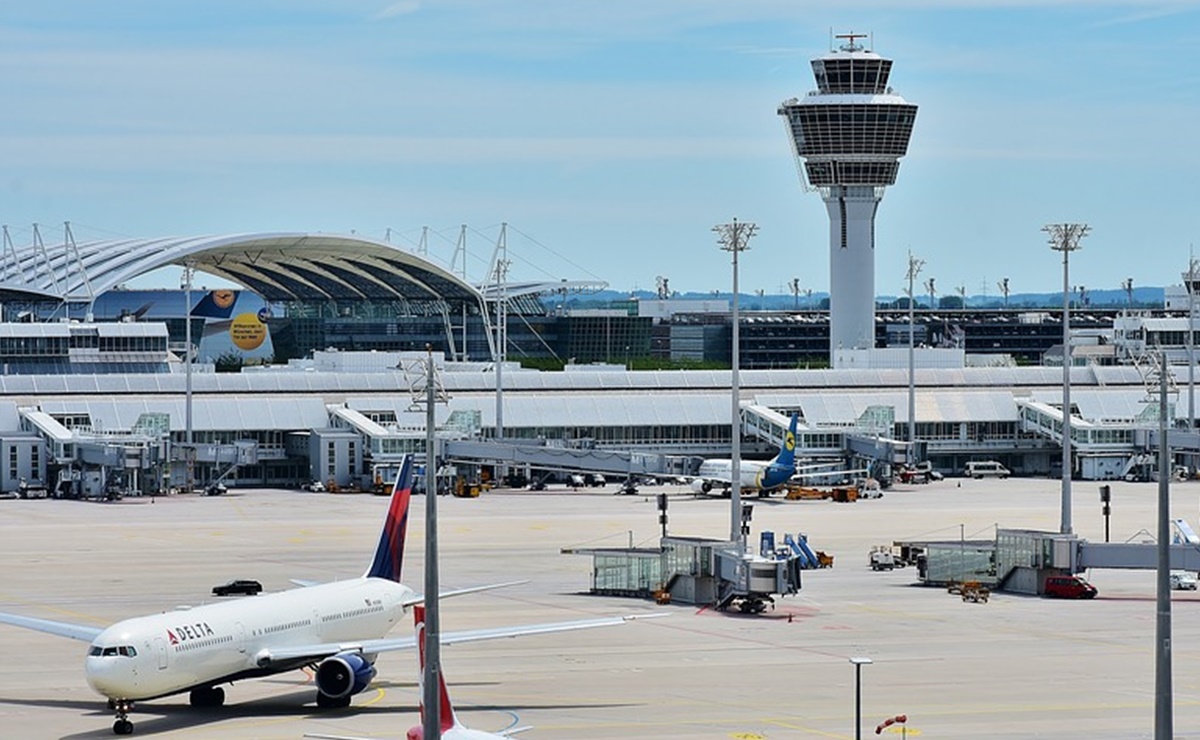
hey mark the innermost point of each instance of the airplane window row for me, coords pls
(197, 644)
(124, 650)
(351, 613)
(288, 626)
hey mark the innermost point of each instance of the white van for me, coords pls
(982, 468)
(1183, 580)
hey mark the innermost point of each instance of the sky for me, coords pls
(610, 135)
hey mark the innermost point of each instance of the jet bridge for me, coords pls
(543, 454)
(695, 570)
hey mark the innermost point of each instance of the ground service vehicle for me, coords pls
(240, 586)
(986, 468)
(1183, 580)
(1069, 587)
(882, 558)
(926, 467)
(974, 591)
(31, 490)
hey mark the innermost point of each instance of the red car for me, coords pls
(1069, 587)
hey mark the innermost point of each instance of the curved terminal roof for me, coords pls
(277, 266)
(511, 290)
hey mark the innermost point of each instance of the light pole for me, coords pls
(858, 662)
(1065, 238)
(734, 238)
(433, 652)
(1164, 719)
(914, 268)
(189, 452)
(1190, 277)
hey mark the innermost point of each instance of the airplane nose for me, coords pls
(112, 678)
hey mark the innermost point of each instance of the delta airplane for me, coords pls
(755, 475)
(336, 628)
(450, 726)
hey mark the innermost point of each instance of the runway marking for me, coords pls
(377, 698)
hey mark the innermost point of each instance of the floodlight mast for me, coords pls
(735, 238)
(914, 269)
(433, 653)
(189, 268)
(1191, 280)
(1066, 238)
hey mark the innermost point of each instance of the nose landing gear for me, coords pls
(122, 707)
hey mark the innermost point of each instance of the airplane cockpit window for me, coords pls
(127, 651)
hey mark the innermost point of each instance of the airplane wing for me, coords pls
(318, 736)
(291, 654)
(81, 632)
(420, 598)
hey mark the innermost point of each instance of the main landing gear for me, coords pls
(203, 697)
(122, 707)
(207, 697)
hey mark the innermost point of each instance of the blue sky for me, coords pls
(611, 134)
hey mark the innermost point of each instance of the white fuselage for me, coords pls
(161, 654)
(750, 471)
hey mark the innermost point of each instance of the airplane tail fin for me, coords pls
(446, 711)
(787, 453)
(389, 554)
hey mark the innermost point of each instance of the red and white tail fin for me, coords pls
(447, 717)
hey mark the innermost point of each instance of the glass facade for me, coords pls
(865, 128)
(947, 562)
(627, 572)
(855, 75)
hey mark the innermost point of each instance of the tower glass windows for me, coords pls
(852, 75)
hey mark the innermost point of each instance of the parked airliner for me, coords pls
(336, 628)
(755, 475)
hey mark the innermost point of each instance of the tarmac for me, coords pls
(1014, 667)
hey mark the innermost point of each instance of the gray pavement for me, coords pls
(1016, 667)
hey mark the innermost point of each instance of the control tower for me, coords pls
(848, 136)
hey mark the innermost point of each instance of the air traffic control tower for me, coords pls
(850, 133)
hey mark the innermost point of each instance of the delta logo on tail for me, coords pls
(446, 719)
(389, 555)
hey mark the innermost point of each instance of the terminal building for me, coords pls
(127, 402)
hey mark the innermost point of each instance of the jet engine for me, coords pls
(701, 486)
(344, 675)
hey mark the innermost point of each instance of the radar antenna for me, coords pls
(850, 37)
